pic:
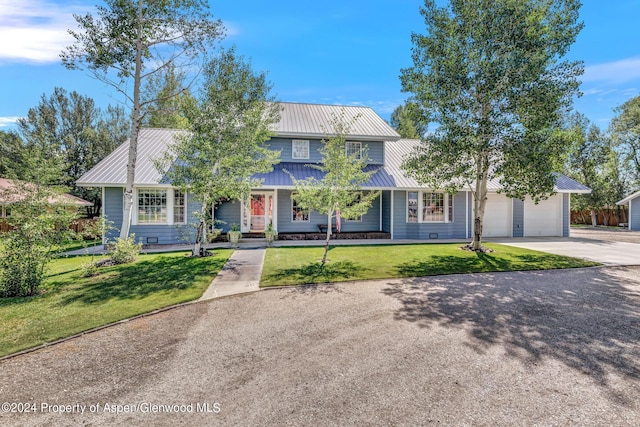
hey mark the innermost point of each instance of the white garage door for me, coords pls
(543, 219)
(497, 216)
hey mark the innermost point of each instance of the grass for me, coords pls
(300, 265)
(70, 304)
(73, 245)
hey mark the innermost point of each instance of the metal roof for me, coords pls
(281, 175)
(112, 170)
(316, 121)
(629, 198)
(12, 191)
(397, 151)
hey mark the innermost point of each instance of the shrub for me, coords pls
(125, 250)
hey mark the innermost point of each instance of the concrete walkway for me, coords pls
(241, 274)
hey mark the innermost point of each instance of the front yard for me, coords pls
(70, 304)
(298, 265)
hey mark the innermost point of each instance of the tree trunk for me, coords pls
(136, 119)
(605, 216)
(326, 243)
(594, 217)
(479, 203)
(201, 235)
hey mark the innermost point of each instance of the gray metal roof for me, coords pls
(112, 170)
(316, 121)
(397, 151)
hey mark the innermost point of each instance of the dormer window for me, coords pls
(354, 149)
(300, 149)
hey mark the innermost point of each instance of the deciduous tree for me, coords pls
(402, 121)
(490, 74)
(130, 42)
(225, 146)
(340, 189)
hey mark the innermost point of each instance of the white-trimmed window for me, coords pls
(300, 149)
(428, 206)
(354, 149)
(357, 200)
(152, 206)
(179, 207)
(5, 211)
(298, 213)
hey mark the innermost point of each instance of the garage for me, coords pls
(497, 216)
(543, 219)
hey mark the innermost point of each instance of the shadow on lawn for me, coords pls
(483, 262)
(587, 319)
(317, 273)
(143, 278)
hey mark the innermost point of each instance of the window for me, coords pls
(152, 206)
(412, 206)
(354, 149)
(178, 207)
(357, 199)
(434, 207)
(299, 149)
(5, 211)
(299, 214)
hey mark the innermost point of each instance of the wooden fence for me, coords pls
(584, 217)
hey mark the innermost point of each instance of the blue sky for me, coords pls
(333, 51)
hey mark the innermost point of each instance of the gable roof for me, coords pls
(628, 198)
(397, 151)
(316, 120)
(10, 193)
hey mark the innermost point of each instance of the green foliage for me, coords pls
(403, 122)
(10, 154)
(226, 144)
(169, 99)
(489, 73)
(341, 186)
(625, 128)
(72, 135)
(128, 44)
(124, 250)
(37, 227)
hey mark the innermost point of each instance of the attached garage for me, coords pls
(543, 219)
(498, 216)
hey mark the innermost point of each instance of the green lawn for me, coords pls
(78, 244)
(299, 265)
(70, 304)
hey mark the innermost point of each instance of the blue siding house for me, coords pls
(634, 210)
(405, 209)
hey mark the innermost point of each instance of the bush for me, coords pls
(126, 250)
(22, 266)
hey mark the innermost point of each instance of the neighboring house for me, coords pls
(12, 191)
(405, 209)
(634, 210)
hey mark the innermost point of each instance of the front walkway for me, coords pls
(241, 274)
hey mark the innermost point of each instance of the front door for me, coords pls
(259, 212)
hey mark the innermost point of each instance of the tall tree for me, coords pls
(225, 146)
(129, 43)
(339, 192)
(625, 127)
(69, 129)
(403, 122)
(11, 151)
(589, 149)
(490, 74)
(170, 99)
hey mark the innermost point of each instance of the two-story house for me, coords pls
(404, 210)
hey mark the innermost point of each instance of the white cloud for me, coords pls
(8, 121)
(36, 30)
(615, 72)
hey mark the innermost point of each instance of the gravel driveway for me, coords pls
(606, 234)
(527, 348)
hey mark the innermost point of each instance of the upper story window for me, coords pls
(354, 149)
(152, 206)
(299, 149)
